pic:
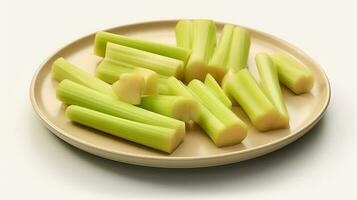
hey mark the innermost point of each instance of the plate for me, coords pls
(197, 150)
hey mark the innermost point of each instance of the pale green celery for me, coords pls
(252, 99)
(151, 80)
(160, 64)
(62, 69)
(184, 33)
(161, 138)
(214, 87)
(129, 88)
(102, 38)
(293, 74)
(270, 84)
(203, 43)
(178, 107)
(219, 58)
(239, 50)
(72, 93)
(163, 88)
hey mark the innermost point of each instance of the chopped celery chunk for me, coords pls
(239, 50)
(212, 84)
(129, 88)
(184, 33)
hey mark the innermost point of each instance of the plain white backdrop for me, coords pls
(34, 164)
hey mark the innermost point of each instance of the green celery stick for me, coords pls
(161, 138)
(252, 99)
(72, 93)
(129, 88)
(178, 107)
(160, 64)
(212, 84)
(151, 80)
(103, 38)
(270, 84)
(62, 69)
(184, 33)
(239, 52)
(293, 74)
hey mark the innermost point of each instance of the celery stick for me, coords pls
(62, 69)
(151, 80)
(293, 74)
(184, 33)
(248, 94)
(214, 87)
(160, 64)
(129, 88)
(75, 94)
(178, 107)
(161, 138)
(270, 84)
(239, 51)
(102, 38)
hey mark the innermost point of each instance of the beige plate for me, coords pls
(197, 150)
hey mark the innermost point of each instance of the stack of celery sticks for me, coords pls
(146, 92)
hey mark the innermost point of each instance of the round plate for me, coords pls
(197, 150)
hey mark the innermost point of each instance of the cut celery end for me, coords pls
(160, 64)
(212, 84)
(160, 138)
(129, 88)
(72, 93)
(239, 50)
(256, 105)
(270, 84)
(151, 80)
(184, 34)
(178, 107)
(62, 69)
(103, 38)
(293, 74)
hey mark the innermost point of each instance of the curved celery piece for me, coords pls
(252, 99)
(62, 69)
(239, 50)
(178, 107)
(72, 93)
(129, 88)
(103, 38)
(184, 33)
(212, 84)
(160, 138)
(293, 74)
(160, 64)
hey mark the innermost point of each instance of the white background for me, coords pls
(34, 164)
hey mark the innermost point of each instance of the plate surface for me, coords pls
(197, 150)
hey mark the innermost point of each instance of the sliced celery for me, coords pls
(270, 84)
(102, 38)
(62, 69)
(178, 107)
(293, 74)
(184, 33)
(129, 88)
(248, 94)
(151, 80)
(212, 84)
(161, 138)
(239, 50)
(70, 93)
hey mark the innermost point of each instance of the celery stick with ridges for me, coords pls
(103, 38)
(62, 69)
(212, 84)
(129, 88)
(184, 33)
(293, 74)
(239, 50)
(161, 138)
(270, 84)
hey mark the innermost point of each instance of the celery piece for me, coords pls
(178, 107)
(62, 69)
(293, 74)
(212, 84)
(102, 38)
(151, 80)
(252, 99)
(270, 84)
(72, 93)
(161, 138)
(184, 33)
(239, 50)
(129, 88)
(160, 64)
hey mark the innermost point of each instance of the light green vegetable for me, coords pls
(214, 87)
(161, 138)
(270, 84)
(184, 33)
(239, 52)
(252, 99)
(293, 74)
(103, 38)
(178, 107)
(129, 88)
(62, 69)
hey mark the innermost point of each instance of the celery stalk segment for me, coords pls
(212, 84)
(129, 88)
(239, 50)
(184, 33)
